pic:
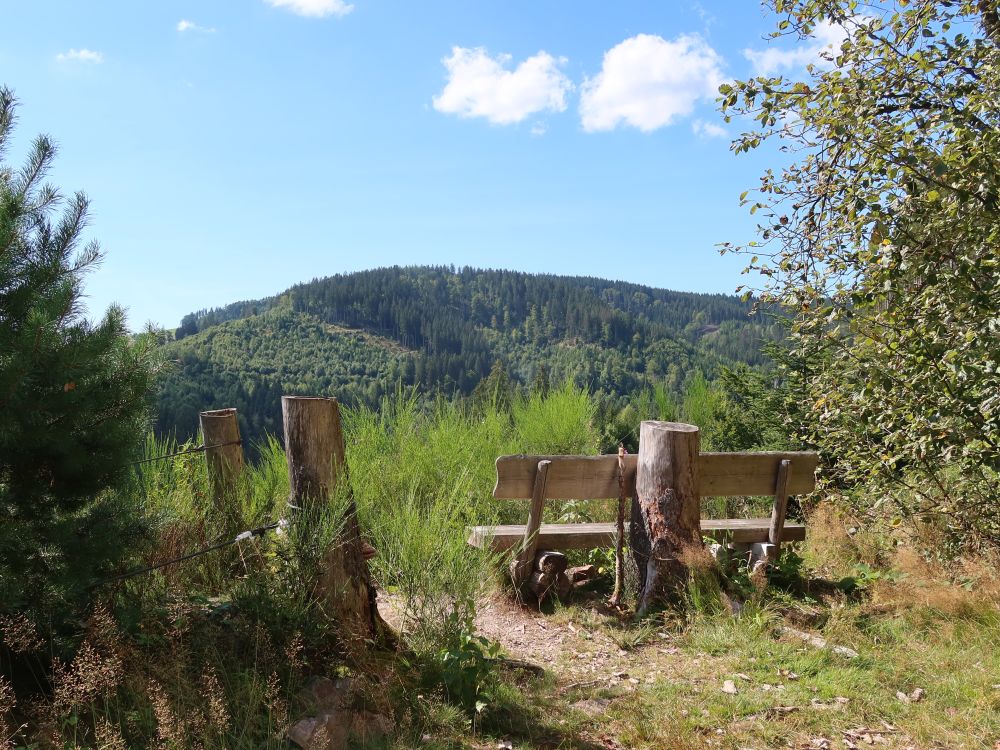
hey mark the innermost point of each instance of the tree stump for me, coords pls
(666, 511)
(314, 447)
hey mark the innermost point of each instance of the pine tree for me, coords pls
(73, 395)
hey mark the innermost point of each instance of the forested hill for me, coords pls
(358, 335)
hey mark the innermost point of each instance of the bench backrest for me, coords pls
(596, 477)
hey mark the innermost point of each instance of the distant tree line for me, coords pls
(443, 330)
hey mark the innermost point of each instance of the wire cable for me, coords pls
(186, 451)
(243, 536)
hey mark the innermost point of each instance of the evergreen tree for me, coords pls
(73, 395)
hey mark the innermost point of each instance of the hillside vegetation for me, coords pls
(359, 336)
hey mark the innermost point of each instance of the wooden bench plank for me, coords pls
(596, 477)
(560, 536)
(728, 474)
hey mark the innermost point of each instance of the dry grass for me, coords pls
(928, 673)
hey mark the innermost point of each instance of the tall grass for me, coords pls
(421, 475)
(210, 652)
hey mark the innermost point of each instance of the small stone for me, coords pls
(327, 731)
(592, 707)
(324, 693)
(368, 727)
(729, 687)
(917, 695)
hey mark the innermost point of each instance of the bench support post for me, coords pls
(774, 533)
(523, 565)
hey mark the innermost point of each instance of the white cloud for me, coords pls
(314, 8)
(80, 55)
(826, 39)
(706, 129)
(482, 86)
(647, 82)
(185, 25)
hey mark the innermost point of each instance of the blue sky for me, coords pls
(232, 148)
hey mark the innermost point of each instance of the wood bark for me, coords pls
(220, 430)
(521, 566)
(666, 511)
(314, 448)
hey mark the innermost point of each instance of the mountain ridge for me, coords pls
(442, 330)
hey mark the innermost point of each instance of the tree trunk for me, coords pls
(317, 472)
(666, 512)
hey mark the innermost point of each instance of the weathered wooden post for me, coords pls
(666, 512)
(522, 566)
(220, 430)
(314, 448)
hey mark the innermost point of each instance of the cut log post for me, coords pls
(581, 574)
(779, 509)
(522, 565)
(314, 447)
(666, 511)
(220, 430)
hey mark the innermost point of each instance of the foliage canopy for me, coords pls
(881, 237)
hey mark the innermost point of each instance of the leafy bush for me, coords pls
(880, 242)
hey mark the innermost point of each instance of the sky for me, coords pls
(232, 148)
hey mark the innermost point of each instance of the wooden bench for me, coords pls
(541, 478)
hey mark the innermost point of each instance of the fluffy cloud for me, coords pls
(482, 86)
(826, 38)
(185, 25)
(648, 82)
(706, 129)
(80, 55)
(314, 8)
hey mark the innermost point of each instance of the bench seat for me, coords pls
(561, 536)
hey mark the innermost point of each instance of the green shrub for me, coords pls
(73, 395)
